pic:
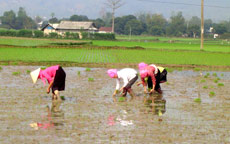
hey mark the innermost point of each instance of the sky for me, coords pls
(217, 10)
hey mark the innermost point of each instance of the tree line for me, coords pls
(140, 24)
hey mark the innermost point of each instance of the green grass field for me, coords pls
(178, 53)
(114, 56)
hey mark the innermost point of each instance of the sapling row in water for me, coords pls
(220, 84)
(16, 73)
(197, 100)
(205, 87)
(15, 63)
(28, 71)
(90, 79)
(212, 94)
(87, 69)
(79, 73)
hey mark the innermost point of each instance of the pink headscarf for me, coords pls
(143, 73)
(112, 72)
(142, 66)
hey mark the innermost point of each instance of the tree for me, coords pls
(23, 21)
(52, 15)
(134, 26)
(107, 17)
(113, 4)
(193, 31)
(78, 18)
(176, 25)
(38, 19)
(194, 21)
(99, 23)
(156, 24)
(193, 27)
(207, 24)
(121, 22)
(9, 19)
(220, 28)
(53, 20)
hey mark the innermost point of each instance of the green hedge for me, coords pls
(225, 36)
(68, 35)
(5, 32)
(25, 33)
(38, 34)
(98, 36)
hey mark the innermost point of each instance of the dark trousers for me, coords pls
(128, 86)
(150, 83)
(59, 80)
(163, 76)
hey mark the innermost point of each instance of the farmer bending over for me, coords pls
(55, 76)
(152, 74)
(129, 77)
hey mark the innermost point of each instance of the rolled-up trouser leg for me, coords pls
(128, 86)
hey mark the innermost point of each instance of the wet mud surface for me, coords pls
(89, 115)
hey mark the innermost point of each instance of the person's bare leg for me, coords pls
(131, 93)
(56, 92)
(53, 96)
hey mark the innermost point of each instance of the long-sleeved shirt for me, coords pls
(126, 75)
(151, 72)
(49, 74)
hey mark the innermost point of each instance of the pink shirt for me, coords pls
(49, 74)
(151, 73)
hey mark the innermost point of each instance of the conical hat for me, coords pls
(34, 75)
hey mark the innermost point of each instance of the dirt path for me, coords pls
(89, 115)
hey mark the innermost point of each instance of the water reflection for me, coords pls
(156, 103)
(57, 114)
(53, 119)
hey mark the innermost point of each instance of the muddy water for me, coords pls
(89, 115)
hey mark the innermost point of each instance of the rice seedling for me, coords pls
(197, 100)
(90, 79)
(196, 69)
(222, 74)
(87, 69)
(214, 74)
(215, 81)
(16, 73)
(205, 87)
(212, 94)
(0, 68)
(43, 68)
(220, 84)
(15, 63)
(78, 73)
(5, 64)
(121, 99)
(202, 81)
(217, 78)
(28, 71)
(62, 97)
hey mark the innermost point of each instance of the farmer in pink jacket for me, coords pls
(54, 75)
(151, 75)
(129, 77)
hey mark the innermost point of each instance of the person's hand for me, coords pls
(139, 83)
(145, 91)
(121, 89)
(48, 90)
(152, 90)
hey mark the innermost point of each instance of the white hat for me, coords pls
(34, 75)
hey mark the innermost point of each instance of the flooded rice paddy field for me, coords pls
(89, 115)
